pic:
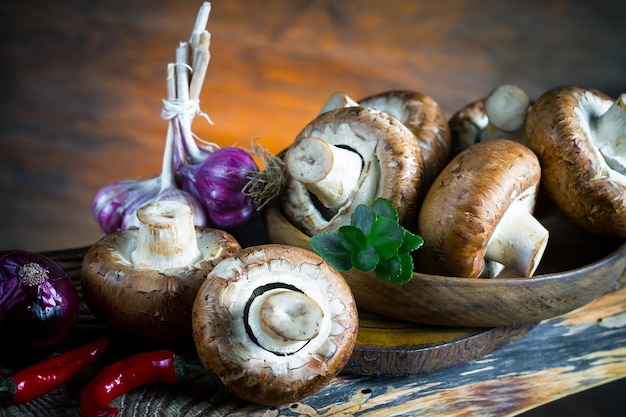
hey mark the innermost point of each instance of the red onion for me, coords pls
(38, 301)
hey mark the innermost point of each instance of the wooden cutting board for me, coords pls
(387, 347)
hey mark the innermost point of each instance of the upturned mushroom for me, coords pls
(500, 115)
(420, 113)
(476, 219)
(275, 323)
(579, 136)
(346, 157)
(143, 281)
(424, 117)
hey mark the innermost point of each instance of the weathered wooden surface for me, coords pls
(81, 82)
(559, 357)
(388, 347)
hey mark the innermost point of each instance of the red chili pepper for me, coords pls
(128, 374)
(41, 378)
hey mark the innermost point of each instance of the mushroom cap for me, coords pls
(574, 173)
(424, 117)
(467, 126)
(225, 342)
(145, 303)
(467, 201)
(392, 168)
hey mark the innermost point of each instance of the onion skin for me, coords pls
(37, 317)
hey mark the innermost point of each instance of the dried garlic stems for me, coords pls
(183, 90)
(201, 58)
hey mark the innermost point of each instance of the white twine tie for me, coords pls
(176, 108)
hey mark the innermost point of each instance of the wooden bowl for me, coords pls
(577, 267)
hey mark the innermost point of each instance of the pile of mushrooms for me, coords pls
(143, 281)
(332, 167)
(388, 146)
(274, 323)
(473, 205)
(576, 135)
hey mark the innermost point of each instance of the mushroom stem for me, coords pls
(610, 131)
(518, 242)
(328, 171)
(506, 108)
(291, 315)
(283, 320)
(166, 238)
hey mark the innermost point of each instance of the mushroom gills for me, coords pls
(609, 129)
(282, 319)
(392, 105)
(328, 213)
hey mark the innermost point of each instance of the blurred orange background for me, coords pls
(82, 83)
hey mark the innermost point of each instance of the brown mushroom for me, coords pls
(500, 115)
(424, 117)
(579, 136)
(346, 157)
(417, 111)
(143, 281)
(476, 218)
(275, 323)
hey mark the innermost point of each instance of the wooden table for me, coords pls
(557, 358)
(81, 85)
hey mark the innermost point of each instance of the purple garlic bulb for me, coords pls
(115, 204)
(218, 182)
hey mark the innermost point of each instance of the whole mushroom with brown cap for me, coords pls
(476, 219)
(417, 111)
(143, 281)
(579, 135)
(275, 323)
(500, 115)
(424, 117)
(346, 157)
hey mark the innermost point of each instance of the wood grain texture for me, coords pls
(559, 357)
(387, 347)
